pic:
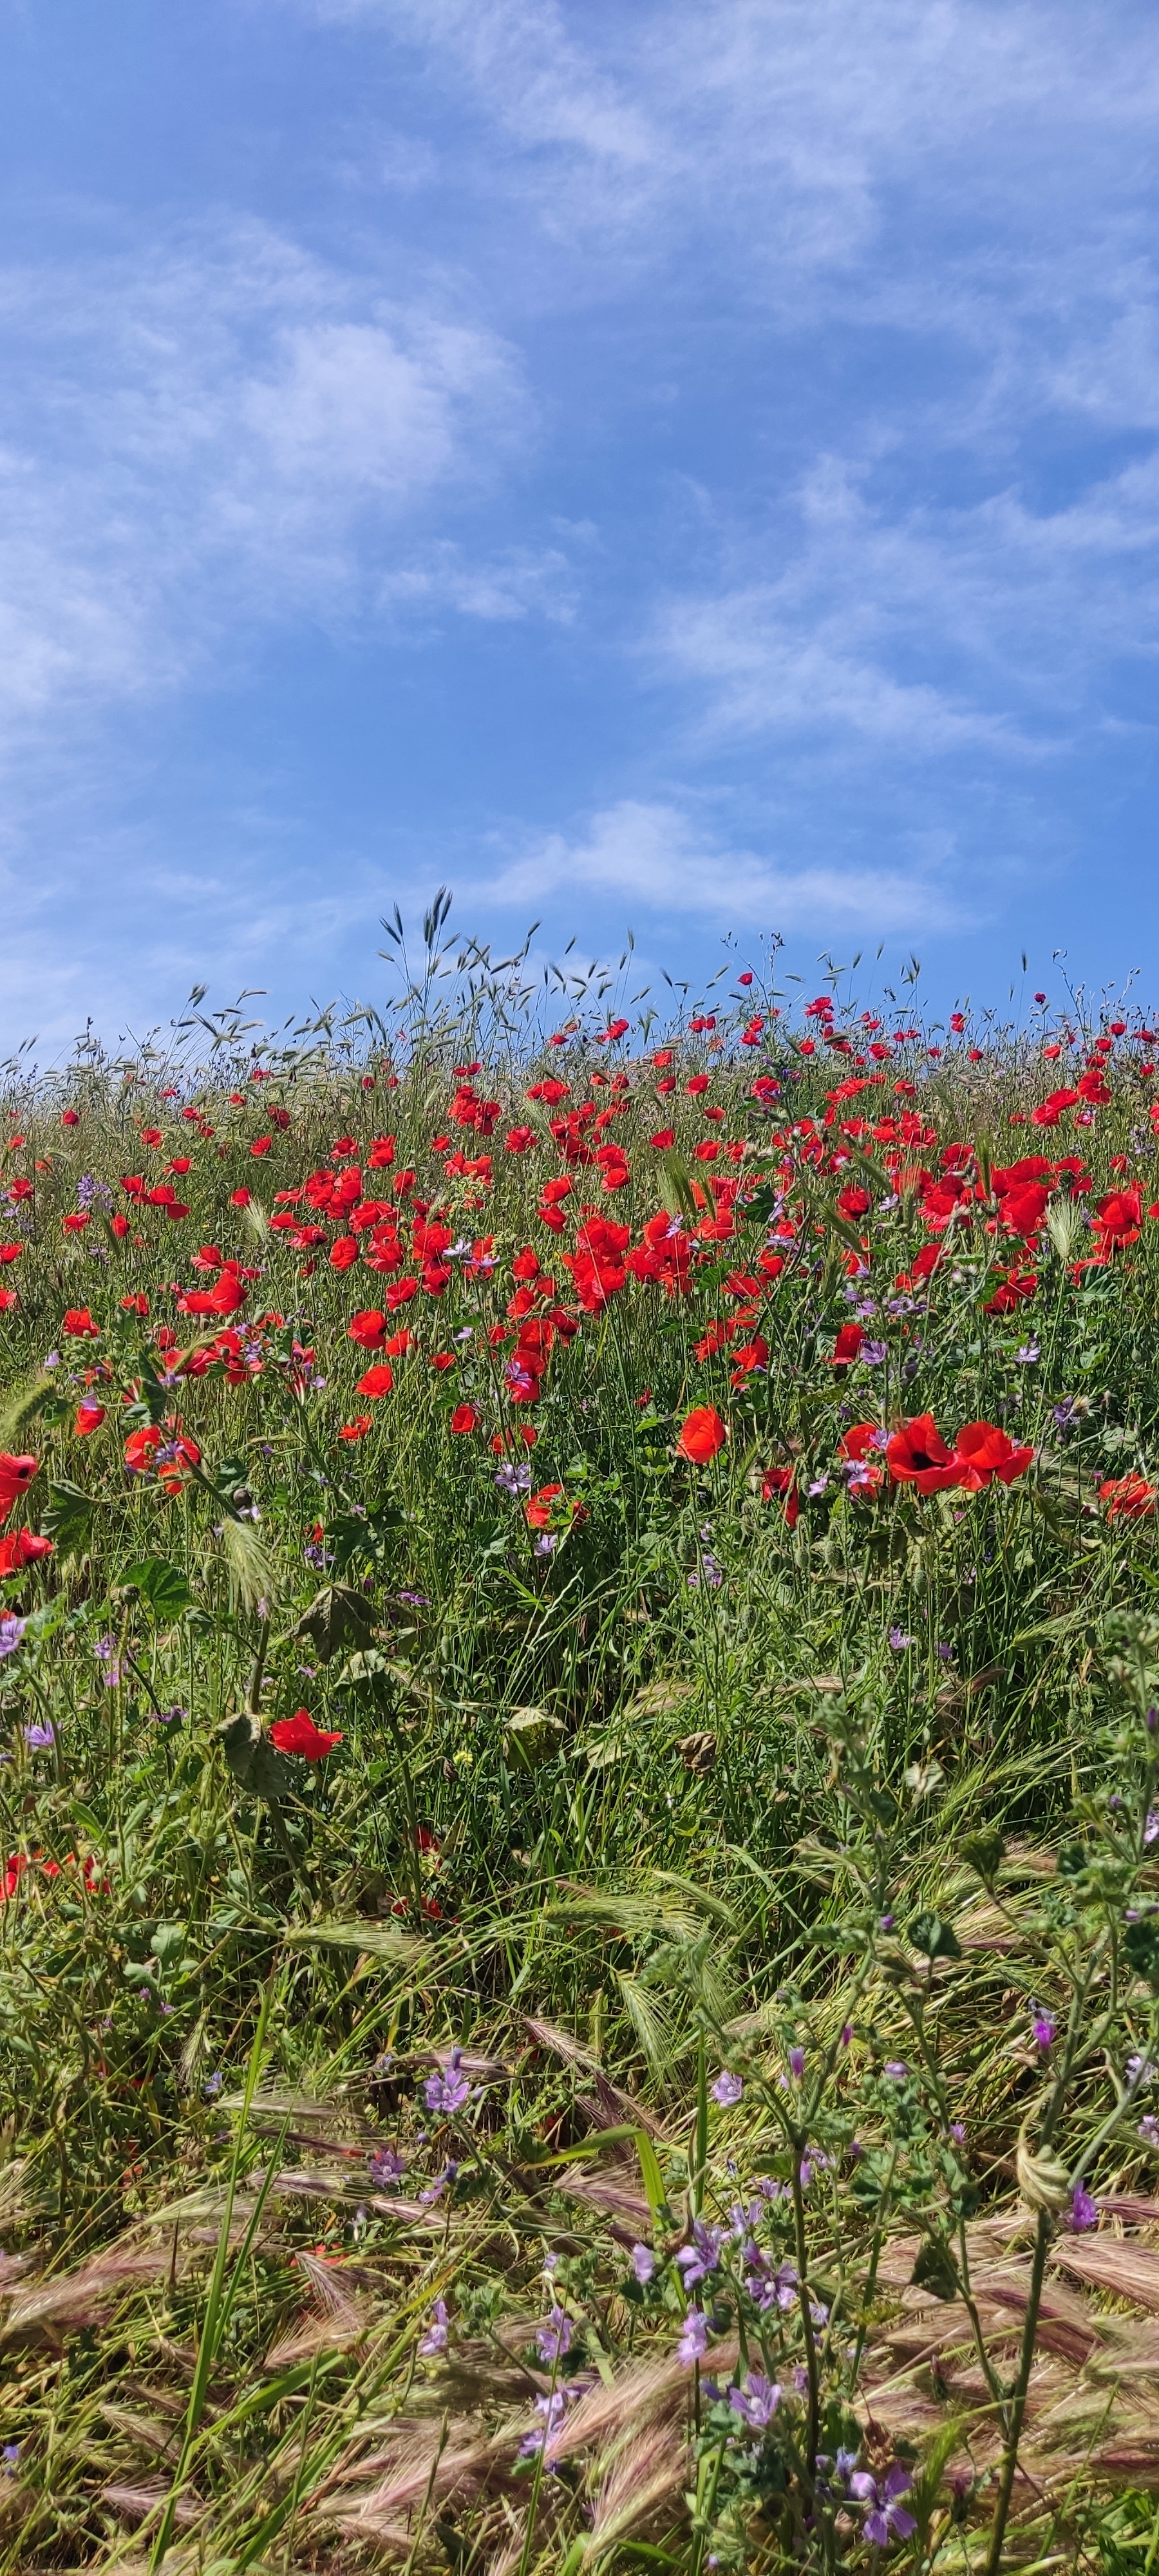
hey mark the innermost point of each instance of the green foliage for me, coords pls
(747, 1859)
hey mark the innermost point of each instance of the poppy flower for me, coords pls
(701, 1434)
(16, 1474)
(344, 1252)
(861, 1449)
(78, 1321)
(779, 1480)
(1128, 1498)
(22, 1549)
(165, 1450)
(917, 1455)
(298, 1734)
(88, 1417)
(465, 1418)
(377, 1381)
(985, 1452)
(357, 1429)
(8, 1300)
(537, 1508)
(10, 1252)
(847, 1346)
(368, 1328)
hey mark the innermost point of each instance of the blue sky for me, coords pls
(693, 468)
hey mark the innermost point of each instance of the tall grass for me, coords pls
(654, 2069)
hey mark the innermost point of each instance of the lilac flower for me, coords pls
(386, 2166)
(551, 2408)
(797, 2063)
(11, 1632)
(710, 1571)
(757, 2403)
(10, 2456)
(1044, 2028)
(435, 2338)
(693, 2342)
(39, 1737)
(1151, 1828)
(944, 1653)
(896, 2069)
(416, 1600)
(643, 2263)
(727, 2089)
(448, 2090)
(174, 1716)
(700, 2258)
(554, 2337)
(887, 2520)
(1029, 1353)
(317, 1555)
(1084, 2211)
(545, 1545)
(1139, 2071)
(213, 2085)
(1149, 2130)
(513, 1480)
(899, 1640)
(435, 2190)
(820, 1485)
(1064, 1413)
(873, 1353)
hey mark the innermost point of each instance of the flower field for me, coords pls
(579, 1657)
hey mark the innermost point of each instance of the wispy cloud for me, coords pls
(224, 435)
(654, 855)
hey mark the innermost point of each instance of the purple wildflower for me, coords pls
(554, 2337)
(38, 1738)
(727, 2089)
(757, 2403)
(1084, 2211)
(887, 2519)
(435, 2338)
(700, 2258)
(643, 2263)
(1044, 2028)
(11, 1632)
(693, 2342)
(386, 2166)
(448, 2090)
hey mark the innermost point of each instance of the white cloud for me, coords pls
(218, 435)
(653, 854)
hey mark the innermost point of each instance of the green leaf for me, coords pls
(933, 1938)
(162, 1585)
(67, 1517)
(338, 1620)
(982, 1852)
(256, 1764)
(934, 2269)
(1141, 1943)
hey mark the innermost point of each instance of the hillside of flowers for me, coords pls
(579, 1774)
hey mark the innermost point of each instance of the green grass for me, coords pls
(692, 1771)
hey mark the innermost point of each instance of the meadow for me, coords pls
(579, 1764)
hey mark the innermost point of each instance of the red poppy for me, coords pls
(917, 1455)
(8, 1300)
(10, 1252)
(985, 1452)
(847, 1346)
(298, 1734)
(1128, 1498)
(357, 1429)
(88, 1417)
(377, 1381)
(537, 1508)
(79, 1323)
(465, 1418)
(16, 1474)
(22, 1549)
(701, 1434)
(368, 1328)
